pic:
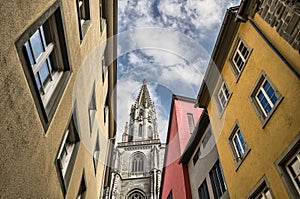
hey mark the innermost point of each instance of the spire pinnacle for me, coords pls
(143, 98)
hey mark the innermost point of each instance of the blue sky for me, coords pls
(168, 43)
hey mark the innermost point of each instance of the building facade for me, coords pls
(182, 119)
(138, 159)
(251, 92)
(202, 159)
(57, 103)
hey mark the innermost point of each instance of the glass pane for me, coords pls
(36, 44)
(264, 102)
(268, 108)
(37, 81)
(296, 167)
(266, 85)
(270, 91)
(260, 96)
(43, 36)
(49, 64)
(241, 46)
(236, 142)
(274, 99)
(29, 53)
(242, 140)
(44, 72)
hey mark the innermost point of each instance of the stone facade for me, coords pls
(138, 159)
(285, 16)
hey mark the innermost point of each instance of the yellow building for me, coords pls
(57, 103)
(251, 91)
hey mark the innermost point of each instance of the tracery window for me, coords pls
(149, 131)
(140, 130)
(137, 163)
(136, 195)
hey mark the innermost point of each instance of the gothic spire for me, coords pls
(143, 98)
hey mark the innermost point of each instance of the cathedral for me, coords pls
(138, 160)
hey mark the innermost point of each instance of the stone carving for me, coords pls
(285, 16)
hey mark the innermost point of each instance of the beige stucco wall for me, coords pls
(28, 153)
(268, 142)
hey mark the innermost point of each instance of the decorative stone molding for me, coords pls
(285, 16)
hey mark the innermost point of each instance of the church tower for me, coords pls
(138, 159)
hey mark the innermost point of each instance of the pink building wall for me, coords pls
(175, 176)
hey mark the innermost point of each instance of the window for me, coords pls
(203, 190)
(43, 55)
(293, 169)
(67, 154)
(288, 165)
(261, 191)
(106, 110)
(82, 189)
(196, 156)
(222, 96)
(265, 98)
(92, 110)
(170, 196)
(137, 163)
(217, 180)
(83, 9)
(104, 66)
(140, 130)
(239, 57)
(150, 132)
(102, 13)
(136, 195)
(207, 137)
(191, 122)
(96, 152)
(238, 144)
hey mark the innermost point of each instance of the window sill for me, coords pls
(238, 163)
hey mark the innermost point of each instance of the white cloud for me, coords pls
(165, 42)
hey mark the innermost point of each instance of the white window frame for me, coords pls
(48, 32)
(92, 109)
(96, 154)
(221, 90)
(68, 149)
(191, 122)
(239, 158)
(297, 157)
(266, 96)
(259, 109)
(261, 190)
(83, 11)
(244, 57)
(282, 163)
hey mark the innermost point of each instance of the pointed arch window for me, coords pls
(137, 164)
(140, 130)
(149, 131)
